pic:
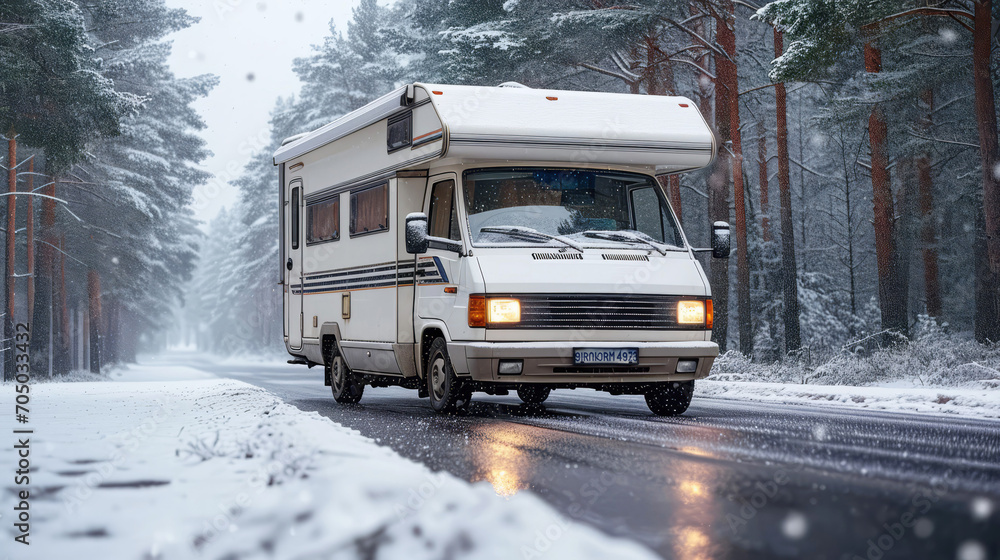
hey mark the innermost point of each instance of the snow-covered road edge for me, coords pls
(217, 468)
(950, 401)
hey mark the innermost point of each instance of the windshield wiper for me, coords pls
(628, 237)
(529, 234)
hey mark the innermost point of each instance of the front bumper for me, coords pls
(552, 362)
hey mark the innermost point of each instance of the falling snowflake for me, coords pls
(114, 260)
(996, 171)
(300, 17)
(923, 528)
(947, 35)
(795, 526)
(251, 76)
(971, 550)
(819, 432)
(982, 508)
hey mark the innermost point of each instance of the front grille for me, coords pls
(597, 311)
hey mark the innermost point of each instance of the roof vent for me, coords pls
(557, 256)
(513, 85)
(624, 257)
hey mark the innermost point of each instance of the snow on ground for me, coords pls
(895, 396)
(146, 468)
(937, 373)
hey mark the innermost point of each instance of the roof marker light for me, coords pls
(552, 98)
(437, 92)
(683, 104)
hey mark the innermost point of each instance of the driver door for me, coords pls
(437, 270)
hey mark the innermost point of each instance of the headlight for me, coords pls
(691, 312)
(503, 311)
(484, 311)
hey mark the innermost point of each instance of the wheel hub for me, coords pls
(337, 374)
(438, 378)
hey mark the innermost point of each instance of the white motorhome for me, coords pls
(454, 239)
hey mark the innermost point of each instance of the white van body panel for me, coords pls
(517, 272)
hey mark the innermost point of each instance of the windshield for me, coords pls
(574, 204)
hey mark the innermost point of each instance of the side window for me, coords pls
(295, 211)
(398, 132)
(370, 210)
(443, 213)
(646, 207)
(323, 221)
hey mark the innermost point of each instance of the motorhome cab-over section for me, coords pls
(455, 239)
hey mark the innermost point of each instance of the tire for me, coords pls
(671, 398)
(347, 388)
(447, 392)
(533, 394)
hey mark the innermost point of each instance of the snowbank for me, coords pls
(937, 373)
(222, 469)
(897, 397)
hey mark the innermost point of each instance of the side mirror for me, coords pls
(721, 240)
(416, 233)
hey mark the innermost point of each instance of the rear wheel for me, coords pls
(533, 394)
(671, 398)
(446, 391)
(347, 388)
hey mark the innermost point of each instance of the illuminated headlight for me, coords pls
(691, 312)
(503, 311)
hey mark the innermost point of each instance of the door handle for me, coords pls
(288, 264)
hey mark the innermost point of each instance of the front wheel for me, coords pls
(671, 398)
(347, 388)
(533, 394)
(446, 391)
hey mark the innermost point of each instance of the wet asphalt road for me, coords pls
(725, 480)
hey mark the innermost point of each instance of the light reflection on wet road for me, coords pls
(726, 480)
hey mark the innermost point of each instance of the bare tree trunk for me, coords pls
(894, 312)
(667, 87)
(849, 229)
(986, 300)
(61, 358)
(42, 338)
(987, 314)
(94, 316)
(928, 236)
(789, 270)
(729, 80)
(718, 207)
(765, 220)
(674, 185)
(8, 319)
(704, 79)
(31, 238)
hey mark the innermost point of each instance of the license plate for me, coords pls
(594, 356)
